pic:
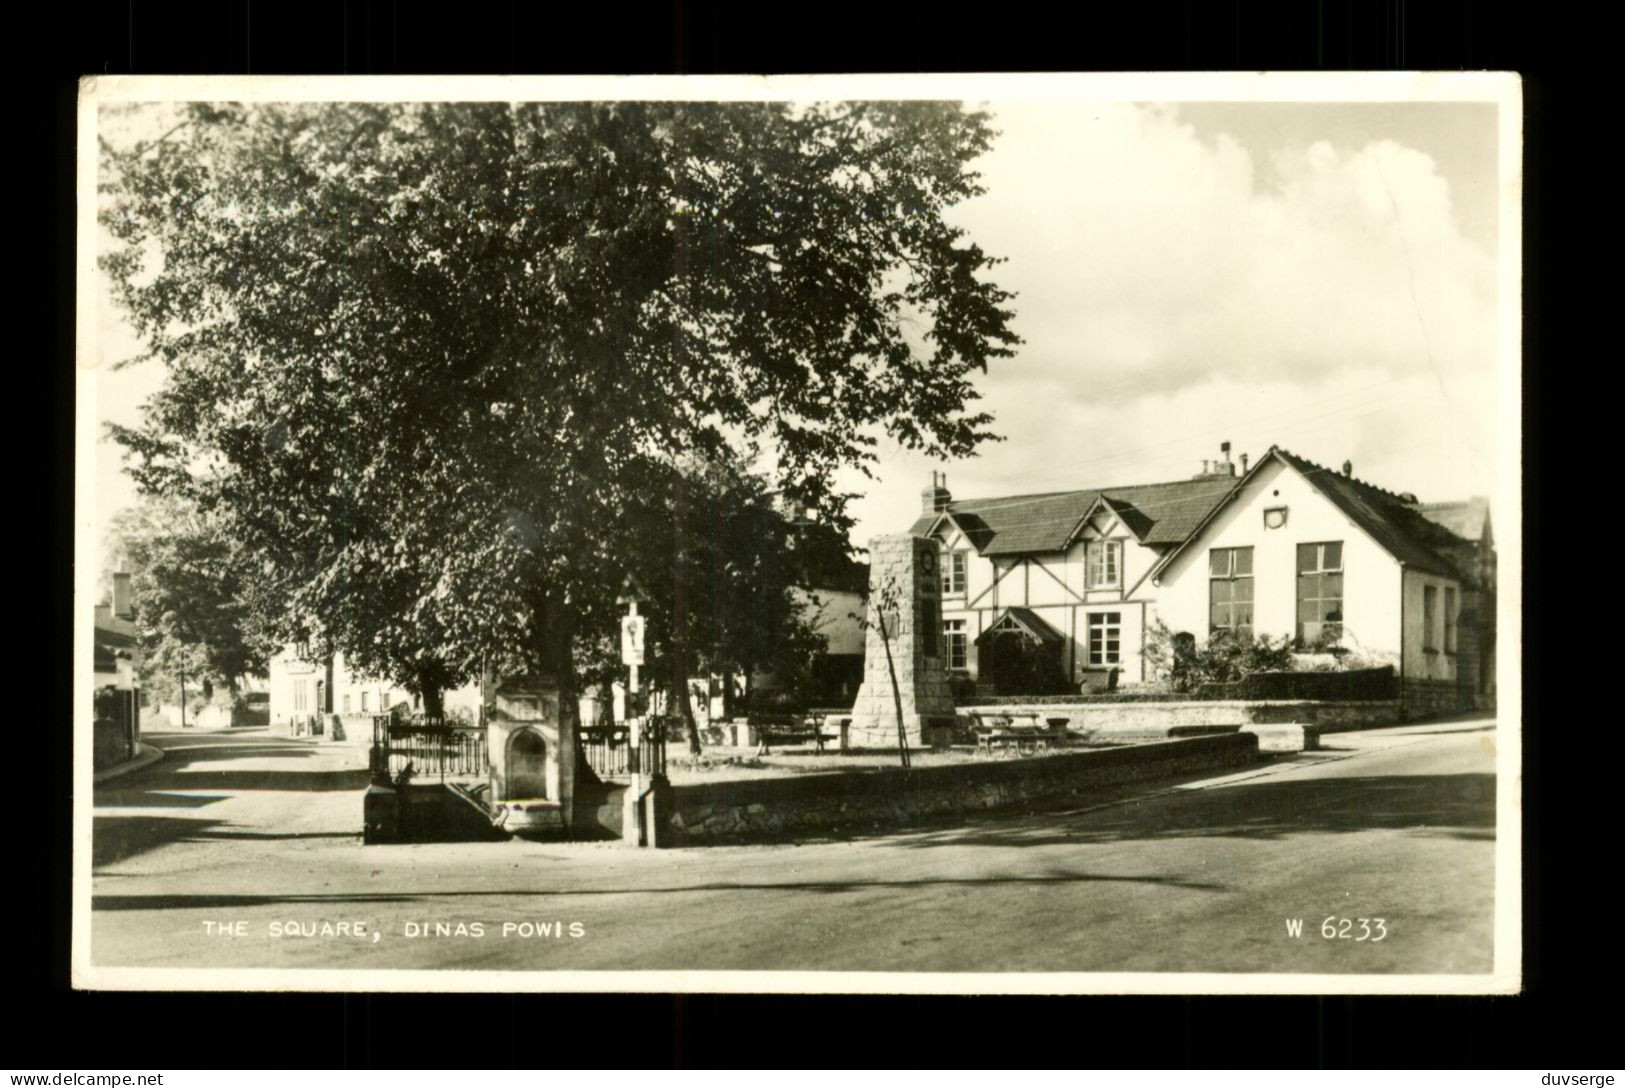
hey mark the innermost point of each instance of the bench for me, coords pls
(1014, 734)
(781, 733)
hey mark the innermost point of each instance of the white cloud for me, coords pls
(1173, 292)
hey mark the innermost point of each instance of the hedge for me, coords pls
(1353, 685)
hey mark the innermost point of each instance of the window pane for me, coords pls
(1218, 562)
(1331, 585)
(1333, 559)
(1307, 558)
(1244, 615)
(1221, 591)
(1219, 615)
(1242, 590)
(1244, 561)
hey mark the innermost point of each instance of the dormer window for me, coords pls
(1105, 564)
(953, 574)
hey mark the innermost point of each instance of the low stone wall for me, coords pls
(1426, 698)
(845, 803)
(1163, 718)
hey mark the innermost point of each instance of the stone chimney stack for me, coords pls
(1221, 467)
(123, 607)
(935, 499)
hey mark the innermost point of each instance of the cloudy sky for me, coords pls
(1320, 277)
(1317, 276)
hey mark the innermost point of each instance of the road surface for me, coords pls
(241, 849)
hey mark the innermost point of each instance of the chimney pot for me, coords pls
(1244, 462)
(1348, 468)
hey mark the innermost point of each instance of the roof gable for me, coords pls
(1157, 514)
(1396, 526)
(1468, 519)
(1024, 619)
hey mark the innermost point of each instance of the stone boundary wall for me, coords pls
(1425, 698)
(854, 803)
(1101, 717)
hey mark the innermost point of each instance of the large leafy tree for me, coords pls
(431, 360)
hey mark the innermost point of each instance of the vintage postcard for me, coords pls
(967, 534)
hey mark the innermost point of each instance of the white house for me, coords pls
(305, 689)
(1284, 548)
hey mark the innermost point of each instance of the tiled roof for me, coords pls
(1423, 536)
(113, 637)
(115, 630)
(1026, 524)
(1398, 526)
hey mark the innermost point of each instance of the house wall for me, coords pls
(1426, 659)
(1371, 577)
(1055, 587)
(289, 675)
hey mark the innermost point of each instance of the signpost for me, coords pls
(633, 828)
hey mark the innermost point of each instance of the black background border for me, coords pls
(1565, 1013)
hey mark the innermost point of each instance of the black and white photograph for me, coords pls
(873, 534)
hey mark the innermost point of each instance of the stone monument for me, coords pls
(532, 754)
(903, 569)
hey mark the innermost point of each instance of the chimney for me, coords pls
(1348, 468)
(935, 499)
(121, 596)
(1244, 464)
(1223, 467)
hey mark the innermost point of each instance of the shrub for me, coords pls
(1175, 658)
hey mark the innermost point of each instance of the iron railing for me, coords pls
(609, 750)
(431, 748)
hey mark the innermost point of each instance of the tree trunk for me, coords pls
(434, 704)
(679, 636)
(896, 693)
(681, 694)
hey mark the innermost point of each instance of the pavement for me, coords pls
(243, 849)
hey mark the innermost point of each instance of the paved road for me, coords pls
(257, 831)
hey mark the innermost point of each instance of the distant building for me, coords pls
(117, 639)
(116, 661)
(1284, 548)
(307, 689)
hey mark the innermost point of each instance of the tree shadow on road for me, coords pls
(1460, 806)
(118, 838)
(206, 901)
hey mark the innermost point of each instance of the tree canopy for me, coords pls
(438, 364)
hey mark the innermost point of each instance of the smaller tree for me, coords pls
(194, 598)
